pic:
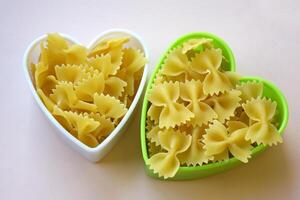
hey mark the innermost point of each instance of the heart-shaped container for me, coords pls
(270, 91)
(93, 154)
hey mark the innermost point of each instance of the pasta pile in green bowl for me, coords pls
(200, 117)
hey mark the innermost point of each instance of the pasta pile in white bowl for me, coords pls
(88, 91)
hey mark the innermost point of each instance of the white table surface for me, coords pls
(36, 164)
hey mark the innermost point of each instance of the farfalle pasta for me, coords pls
(218, 142)
(195, 154)
(225, 104)
(192, 92)
(250, 90)
(200, 114)
(261, 130)
(87, 90)
(174, 142)
(208, 62)
(173, 113)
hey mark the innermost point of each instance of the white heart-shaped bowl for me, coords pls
(93, 154)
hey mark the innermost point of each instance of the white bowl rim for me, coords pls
(122, 123)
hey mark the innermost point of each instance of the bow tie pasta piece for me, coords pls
(40, 75)
(193, 44)
(173, 113)
(105, 128)
(132, 64)
(104, 64)
(64, 120)
(46, 100)
(192, 92)
(55, 53)
(154, 113)
(86, 88)
(84, 126)
(70, 73)
(113, 47)
(235, 125)
(108, 45)
(250, 89)
(76, 54)
(115, 86)
(176, 63)
(233, 77)
(195, 153)
(262, 131)
(218, 142)
(58, 52)
(177, 67)
(152, 134)
(166, 164)
(225, 104)
(65, 97)
(208, 62)
(81, 126)
(110, 107)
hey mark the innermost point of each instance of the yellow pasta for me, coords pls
(114, 86)
(225, 104)
(86, 88)
(110, 46)
(192, 44)
(218, 143)
(46, 100)
(193, 97)
(173, 113)
(262, 131)
(55, 53)
(133, 62)
(76, 54)
(105, 128)
(109, 106)
(65, 97)
(250, 90)
(152, 134)
(192, 92)
(70, 73)
(84, 127)
(233, 77)
(176, 64)
(195, 154)
(167, 163)
(208, 62)
(154, 112)
(81, 125)
(104, 64)
(83, 89)
(63, 119)
(40, 75)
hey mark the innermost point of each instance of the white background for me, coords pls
(36, 164)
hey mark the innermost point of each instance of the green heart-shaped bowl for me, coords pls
(270, 91)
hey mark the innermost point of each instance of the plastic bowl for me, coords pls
(187, 173)
(96, 153)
